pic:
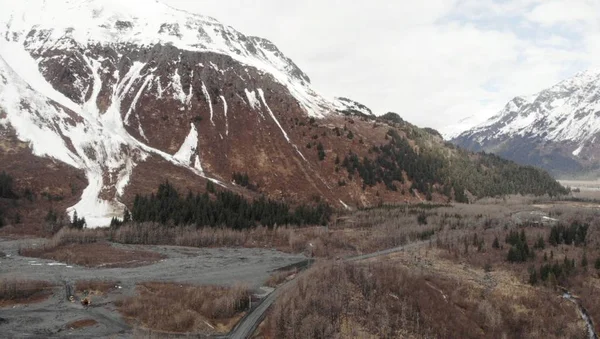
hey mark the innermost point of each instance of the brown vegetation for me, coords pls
(86, 248)
(54, 186)
(14, 292)
(94, 255)
(279, 277)
(182, 308)
(461, 286)
(357, 233)
(388, 300)
(468, 237)
(95, 286)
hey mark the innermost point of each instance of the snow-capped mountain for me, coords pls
(555, 129)
(102, 85)
(101, 100)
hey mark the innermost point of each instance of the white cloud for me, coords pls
(565, 12)
(433, 61)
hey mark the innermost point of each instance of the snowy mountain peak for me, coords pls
(566, 114)
(78, 24)
(563, 112)
(105, 85)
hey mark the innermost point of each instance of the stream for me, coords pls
(584, 315)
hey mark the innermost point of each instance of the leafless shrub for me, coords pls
(183, 308)
(280, 277)
(389, 301)
(14, 291)
(100, 254)
(95, 286)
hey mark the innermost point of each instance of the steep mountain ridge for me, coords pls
(133, 95)
(116, 67)
(555, 129)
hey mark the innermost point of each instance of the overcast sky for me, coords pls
(434, 62)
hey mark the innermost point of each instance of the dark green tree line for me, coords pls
(575, 234)
(224, 208)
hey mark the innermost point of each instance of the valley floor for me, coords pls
(472, 271)
(181, 265)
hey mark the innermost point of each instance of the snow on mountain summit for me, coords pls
(76, 24)
(566, 115)
(92, 83)
(564, 112)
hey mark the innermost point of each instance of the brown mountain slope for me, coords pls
(129, 104)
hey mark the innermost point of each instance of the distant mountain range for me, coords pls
(556, 129)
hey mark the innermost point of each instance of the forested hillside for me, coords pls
(420, 158)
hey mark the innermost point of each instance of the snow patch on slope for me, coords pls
(23, 64)
(348, 208)
(178, 92)
(347, 105)
(225, 113)
(188, 148)
(209, 102)
(97, 144)
(136, 99)
(262, 96)
(252, 99)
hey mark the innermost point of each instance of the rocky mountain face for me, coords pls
(556, 129)
(101, 100)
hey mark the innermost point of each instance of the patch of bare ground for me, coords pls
(182, 308)
(80, 324)
(14, 292)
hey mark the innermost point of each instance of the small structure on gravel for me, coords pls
(87, 301)
(534, 218)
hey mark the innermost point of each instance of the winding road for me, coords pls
(247, 325)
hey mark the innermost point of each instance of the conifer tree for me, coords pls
(321, 151)
(496, 243)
